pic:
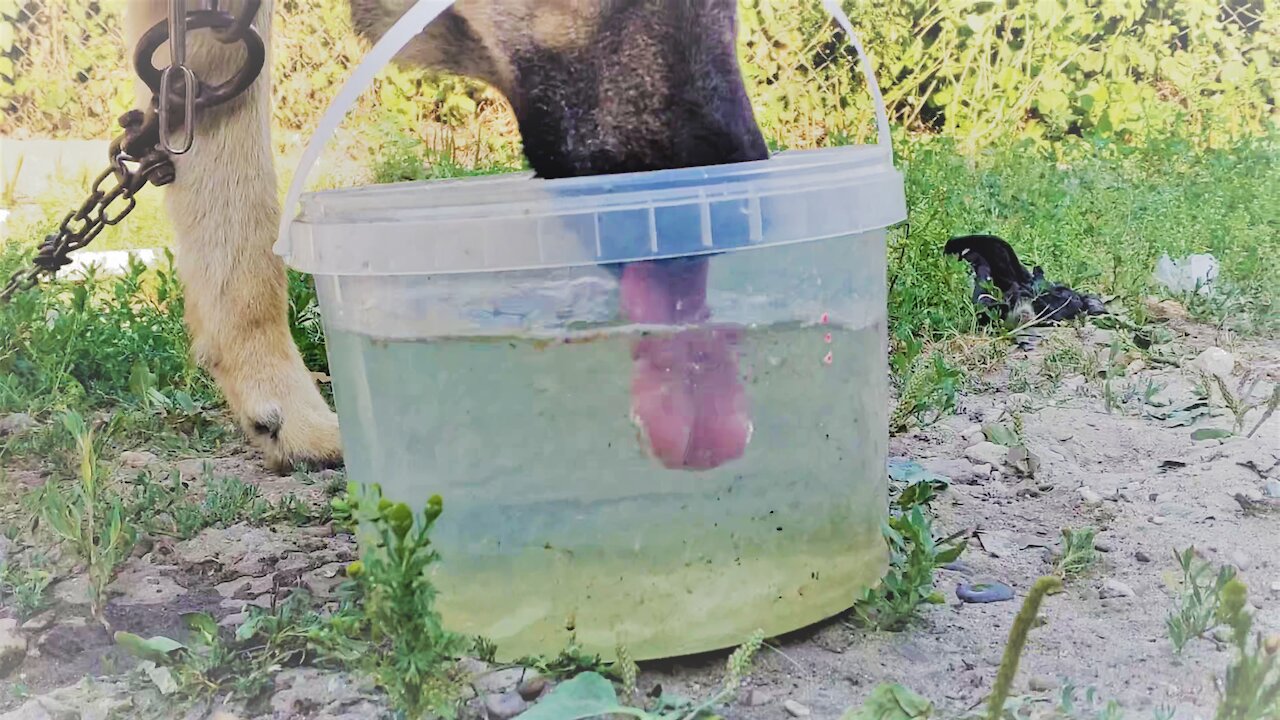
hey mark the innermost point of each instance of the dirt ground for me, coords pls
(1146, 486)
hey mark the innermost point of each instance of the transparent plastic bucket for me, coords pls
(480, 349)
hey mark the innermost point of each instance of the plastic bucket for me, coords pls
(482, 348)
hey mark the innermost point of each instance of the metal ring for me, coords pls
(206, 96)
(189, 110)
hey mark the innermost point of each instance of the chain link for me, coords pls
(138, 156)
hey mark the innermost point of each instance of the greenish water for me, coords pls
(558, 521)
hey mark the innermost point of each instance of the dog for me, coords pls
(597, 87)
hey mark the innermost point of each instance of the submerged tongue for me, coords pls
(686, 395)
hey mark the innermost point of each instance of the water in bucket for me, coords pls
(669, 485)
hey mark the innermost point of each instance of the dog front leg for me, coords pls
(224, 209)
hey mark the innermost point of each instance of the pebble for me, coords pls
(1112, 588)
(499, 682)
(795, 709)
(1240, 560)
(1142, 557)
(13, 647)
(958, 469)
(987, 453)
(15, 424)
(1090, 496)
(1275, 587)
(1215, 361)
(1040, 683)
(532, 687)
(984, 592)
(973, 433)
(1157, 520)
(504, 706)
(1272, 489)
(1103, 546)
(137, 459)
(756, 698)
(40, 622)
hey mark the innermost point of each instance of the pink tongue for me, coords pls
(686, 395)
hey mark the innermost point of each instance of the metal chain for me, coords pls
(142, 153)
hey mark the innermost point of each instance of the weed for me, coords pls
(165, 508)
(914, 555)
(1250, 689)
(240, 664)
(92, 518)
(928, 390)
(570, 661)
(1113, 370)
(1078, 554)
(590, 695)
(1067, 356)
(1201, 597)
(414, 664)
(23, 587)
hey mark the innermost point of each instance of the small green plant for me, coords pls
(164, 508)
(91, 518)
(914, 555)
(414, 663)
(1198, 606)
(1078, 554)
(894, 702)
(1250, 689)
(23, 587)
(929, 386)
(569, 662)
(241, 663)
(591, 695)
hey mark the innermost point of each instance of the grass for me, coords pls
(91, 518)
(1198, 605)
(23, 587)
(1078, 554)
(914, 555)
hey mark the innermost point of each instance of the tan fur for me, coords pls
(224, 211)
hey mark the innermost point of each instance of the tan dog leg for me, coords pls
(224, 209)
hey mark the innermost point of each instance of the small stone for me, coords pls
(499, 681)
(756, 698)
(1275, 586)
(16, 424)
(1063, 434)
(1272, 489)
(504, 706)
(795, 709)
(1112, 588)
(1040, 683)
(984, 592)
(1215, 361)
(987, 453)
(1142, 557)
(531, 688)
(1240, 560)
(999, 489)
(72, 591)
(960, 471)
(40, 622)
(233, 620)
(1157, 520)
(137, 459)
(13, 647)
(1103, 546)
(1090, 496)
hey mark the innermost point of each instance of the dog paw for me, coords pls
(293, 441)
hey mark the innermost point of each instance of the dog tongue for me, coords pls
(686, 395)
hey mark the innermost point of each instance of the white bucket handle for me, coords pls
(409, 26)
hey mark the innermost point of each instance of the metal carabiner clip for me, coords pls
(177, 61)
